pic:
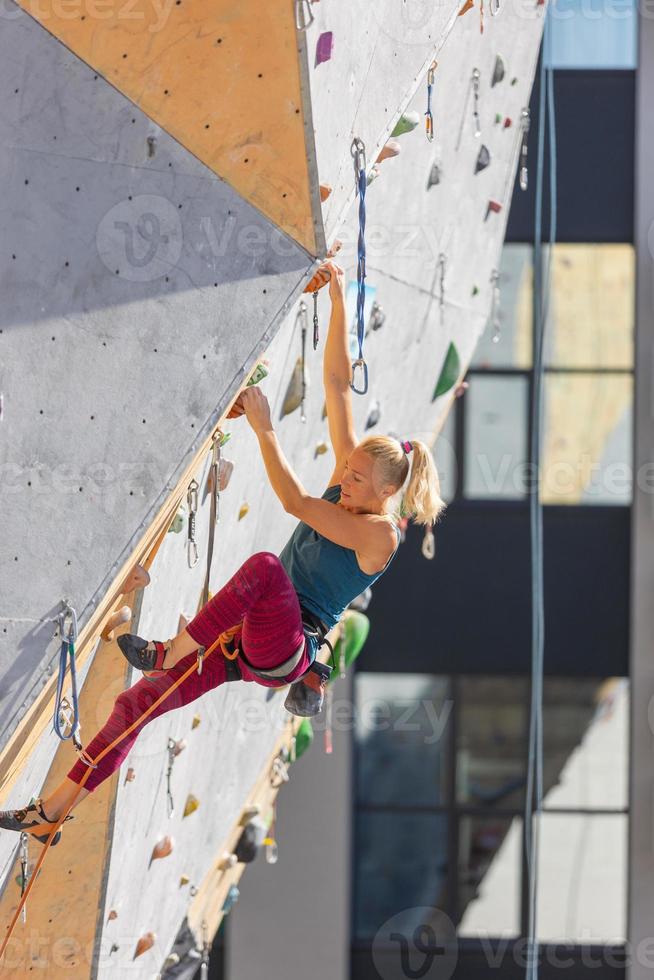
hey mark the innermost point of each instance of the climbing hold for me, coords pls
(324, 411)
(130, 775)
(475, 290)
(514, 81)
(227, 861)
(138, 578)
(294, 391)
(377, 316)
(145, 943)
(243, 511)
(352, 636)
(493, 207)
(324, 47)
(483, 159)
(325, 191)
(373, 174)
(390, 149)
(507, 123)
(184, 880)
(178, 746)
(249, 812)
(407, 122)
(250, 841)
(162, 849)
(178, 522)
(118, 618)
(191, 805)
(303, 737)
(112, 915)
(232, 898)
(449, 372)
(466, 7)
(374, 414)
(428, 543)
(434, 175)
(498, 118)
(320, 450)
(498, 70)
(461, 389)
(495, 313)
(196, 721)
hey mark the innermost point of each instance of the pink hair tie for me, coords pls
(406, 445)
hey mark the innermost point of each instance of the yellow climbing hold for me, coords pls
(184, 880)
(320, 450)
(243, 511)
(196, 721)
(191, 805)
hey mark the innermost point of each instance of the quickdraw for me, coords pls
(429, 119)
(64, 712)
(192, 501)
(358, 151)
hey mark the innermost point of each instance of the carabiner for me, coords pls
(358, 152)
(360, 362)
(303, 14)
(68, 613)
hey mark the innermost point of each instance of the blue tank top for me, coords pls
(326, 575)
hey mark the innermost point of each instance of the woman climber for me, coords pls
(272, 616)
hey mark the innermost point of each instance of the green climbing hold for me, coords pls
(303, 737)
(406, 123)
(355, 628)
(475, 290)
(449, 372)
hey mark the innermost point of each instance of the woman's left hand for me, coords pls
(256, 407)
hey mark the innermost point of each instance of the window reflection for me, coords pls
(491, 734)
(592, 34)
(496, 416)
(489, 876)
(402, 732)
(513, 349)
(401, 864)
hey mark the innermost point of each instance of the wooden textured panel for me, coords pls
(222, 78)
(62, 910)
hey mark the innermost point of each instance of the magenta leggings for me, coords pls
(261, 596)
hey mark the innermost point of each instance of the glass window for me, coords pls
(592, 34)
(591, 315)
(585, 742)
(587, 438)
(402, 731)
(490, 854)
(513, 347)
(582, 872)
(496, 418)
(401, 864)
(445, 456)
(491, 734)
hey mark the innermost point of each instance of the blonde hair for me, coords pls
(421, 497)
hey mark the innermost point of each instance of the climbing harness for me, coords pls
(192, 501)
(358, 151)
(495, 318)
(525, 120)
(303, 14)
(316, 324)
(429, 118)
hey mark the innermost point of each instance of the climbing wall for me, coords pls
(145, 270)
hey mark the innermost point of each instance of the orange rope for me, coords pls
(37, 867)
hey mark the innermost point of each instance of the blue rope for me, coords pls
(542, 285)
(68, 641)
(358, 151)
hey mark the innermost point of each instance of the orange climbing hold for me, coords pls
(145, 943)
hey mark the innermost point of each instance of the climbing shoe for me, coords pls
(31, 816)
(143, 654)
(306, 696)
